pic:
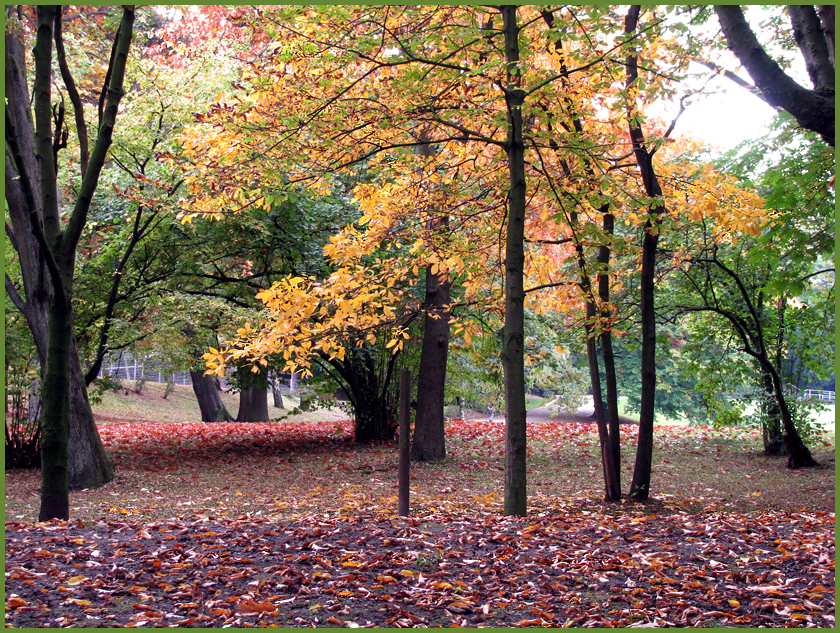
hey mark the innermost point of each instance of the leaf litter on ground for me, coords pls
(330, 552)
(577, 569)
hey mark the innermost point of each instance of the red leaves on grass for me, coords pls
(167, 445)
(220, 435)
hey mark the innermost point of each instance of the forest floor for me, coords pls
(291, 524)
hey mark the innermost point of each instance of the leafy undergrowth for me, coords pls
(291, 524)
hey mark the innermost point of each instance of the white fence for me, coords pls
(818, 394)
(125, 366)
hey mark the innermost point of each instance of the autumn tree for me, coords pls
(126, 269)
(429, 440)
(643, 153)
(50, 245)
(320, 105)
(424, 65)
(725, 289)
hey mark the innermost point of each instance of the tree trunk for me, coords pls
(210, 402)
(276, 394)
(640, 486)
(88, 465)
(613, 445)
(798, 455)
(55, 500)
(612, 473)
(771, 428)
(429, 442)
(374, 417)
(253, 404)
(513, 354)
(58, 239)
(405, 458)
(606, 419)
(812, 109)
(369, 389)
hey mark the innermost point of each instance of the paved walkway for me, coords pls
(553, 413)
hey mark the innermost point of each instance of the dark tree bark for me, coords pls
(210, 402)
(513, 350)
(87, 463)
(798, 455)
(749, 328)
(56, 239)
(276, 394)
(606, 417)
(611, 447)
(429, 441)
(812, 109)
(253, 404)
(826, 13)
(771, 429)
(405, 458)
(205, 387)
(55, 500)
(640, 486)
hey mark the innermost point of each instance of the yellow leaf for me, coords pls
(81, 603)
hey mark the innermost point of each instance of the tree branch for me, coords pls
(78, 218)
(17, 300)
(73, 93)
(811, 109)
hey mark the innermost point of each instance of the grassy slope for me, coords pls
(181, 406)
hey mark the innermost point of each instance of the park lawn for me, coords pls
(291, 524)
(307, 462)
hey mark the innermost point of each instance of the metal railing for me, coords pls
(126, 366)
(818, 394)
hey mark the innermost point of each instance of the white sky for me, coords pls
(723, 120)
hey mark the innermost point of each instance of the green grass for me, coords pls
(532, 401)
(826, 419)
(181, 406)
